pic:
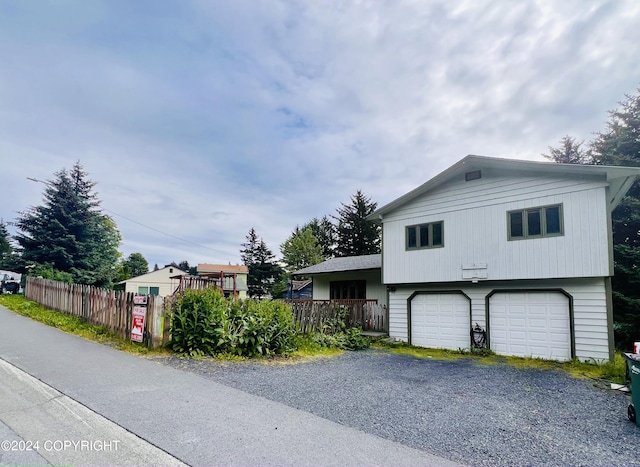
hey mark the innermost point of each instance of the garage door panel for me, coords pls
(440, 321)
(537, 323)
(530, 324)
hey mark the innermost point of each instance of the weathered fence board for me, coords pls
(312, 315)
(112, 309)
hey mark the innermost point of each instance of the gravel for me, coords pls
(461, 410)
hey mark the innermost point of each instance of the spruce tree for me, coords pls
(264, 272)
(355, 235)
(618, 144)
(8, 261)
(69, 233)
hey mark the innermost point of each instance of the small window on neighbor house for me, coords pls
(143, 290)
(170, 270)
(544, 221)
(424, 236)
(154, 290)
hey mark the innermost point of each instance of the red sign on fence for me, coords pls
(137, 324)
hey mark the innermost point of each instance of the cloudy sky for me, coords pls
(202, 119)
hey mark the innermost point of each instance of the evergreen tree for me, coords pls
(264, 272)
(618, 144)
(354, 234)
(570, 152)
(300, 250)
(184, 266)
(6, 250)
(325, 233)
(69, 233)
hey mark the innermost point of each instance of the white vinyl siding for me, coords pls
(589, 308)
(474, 215)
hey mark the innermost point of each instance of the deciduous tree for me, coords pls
(325, 233)
(300, 250)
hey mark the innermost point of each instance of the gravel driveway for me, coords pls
(461, 410)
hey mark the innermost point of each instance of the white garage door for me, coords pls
(440, 321)
(530, 324)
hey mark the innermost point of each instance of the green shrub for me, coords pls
(204, 322)
(350, 339)
(336, 334)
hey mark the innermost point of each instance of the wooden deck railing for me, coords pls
(312, 315)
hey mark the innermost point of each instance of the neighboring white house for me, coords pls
(523, 249)
(154, 283)
(352, 277)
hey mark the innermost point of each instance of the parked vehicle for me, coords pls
(9, 282)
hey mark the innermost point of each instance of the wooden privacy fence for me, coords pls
(112, 309)
(311, 315)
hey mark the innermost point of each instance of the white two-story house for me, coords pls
(521, 249)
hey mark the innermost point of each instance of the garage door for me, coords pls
(440, 321)
(530, 324)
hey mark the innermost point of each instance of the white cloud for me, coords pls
(205, 119)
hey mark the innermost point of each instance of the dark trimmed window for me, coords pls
(425, 236)
(348, 290)
(545, 221)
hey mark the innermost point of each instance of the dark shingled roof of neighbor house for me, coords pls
(349, 263)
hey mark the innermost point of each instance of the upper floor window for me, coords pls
(425, 236)
(545, 221)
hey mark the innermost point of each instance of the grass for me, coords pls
(613, 371)
(73, 325)
(307, 349)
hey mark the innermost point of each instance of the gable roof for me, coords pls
(620, 178)
(348, 263)
(175, 271)
(230, 268)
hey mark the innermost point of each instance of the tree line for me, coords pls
(347, 233)
(69, 238)
(617, 144)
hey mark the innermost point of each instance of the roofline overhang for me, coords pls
(332, 272)
(471, 162)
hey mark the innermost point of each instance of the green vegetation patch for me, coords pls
(72, 324)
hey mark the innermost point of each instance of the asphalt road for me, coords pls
(191, 418)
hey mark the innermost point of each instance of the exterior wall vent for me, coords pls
(475, 175)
